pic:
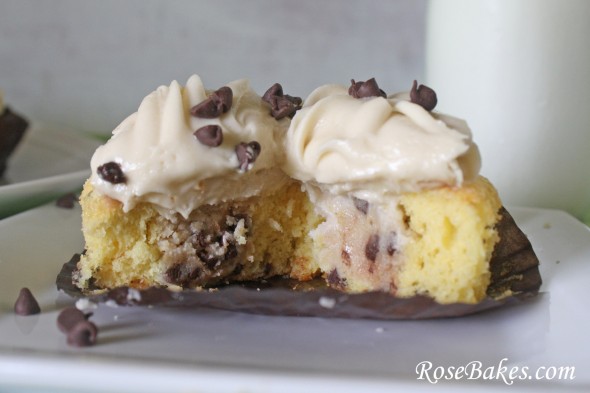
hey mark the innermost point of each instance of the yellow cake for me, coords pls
(371, 193)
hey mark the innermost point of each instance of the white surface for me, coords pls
(519, 72)
(48, 162)
(210, 350)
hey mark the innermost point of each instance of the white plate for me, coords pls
(48, 162)
(155, 350)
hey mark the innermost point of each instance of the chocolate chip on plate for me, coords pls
(210, 135)
(82, 334)
(66, 201)
(369, 88)
(111, 172)
(26, 304)
(218, 103)
(68, 318)
(423, 96)
(247, 154)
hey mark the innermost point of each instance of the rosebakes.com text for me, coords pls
(475, 370)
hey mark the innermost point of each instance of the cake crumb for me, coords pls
(133, 295)
(111, 303)
(86, 305)
(240, 232)
(275, 225)
(327, 302)
(379, 330)
(289, 208)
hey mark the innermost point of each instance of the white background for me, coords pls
(87, 64)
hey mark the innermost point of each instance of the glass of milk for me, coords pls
(519, 72)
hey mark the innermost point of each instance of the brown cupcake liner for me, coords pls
(514, 268)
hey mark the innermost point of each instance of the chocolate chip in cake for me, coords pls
(82, 334)
(345, 255)
(391, 244)
(68, 318)
(247, 154)
(372, 248)
(218, 103)
(210, 135)
(26, 304)
(423, 96)
(183, 274)
(281, 105)
(361, 205)
(334, 280)
(369, 88)
(111, 172)
(66, 201)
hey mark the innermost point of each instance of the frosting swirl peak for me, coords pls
(374, 146)
(166, 164)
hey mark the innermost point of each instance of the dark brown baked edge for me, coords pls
(514, 268)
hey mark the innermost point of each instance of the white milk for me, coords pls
(519, 72)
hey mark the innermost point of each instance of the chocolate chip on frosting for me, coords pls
(26, 304)
(281, 105)
(111, 172)
(247, 154)
(210, 135)
(423, 96)
(218, 103)
(365, 89)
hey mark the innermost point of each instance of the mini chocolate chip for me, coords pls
(361, 205)
(66, 201)
(345, 255)
(225, 95)
(281, 105)
(111, 172)
(369, 88)
(215, 105)
(423, 96)
(247, 154)
(210, 135)
(334, 280)
(26, 304)
(68, 318)
(82, 334)
(372, 247)
(391, 244)
(275, 90)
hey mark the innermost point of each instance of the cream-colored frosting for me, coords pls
(368, 147)
(372, 147)
(166, 165)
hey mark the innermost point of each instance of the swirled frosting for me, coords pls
(376, 146)
(164, 163)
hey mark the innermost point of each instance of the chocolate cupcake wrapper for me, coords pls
(514, 268)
